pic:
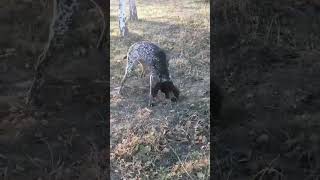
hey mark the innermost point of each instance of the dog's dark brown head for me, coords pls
(170, 91)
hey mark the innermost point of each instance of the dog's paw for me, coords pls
(151, 104)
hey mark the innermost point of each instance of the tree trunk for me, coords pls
(122, 18)
(133, 10)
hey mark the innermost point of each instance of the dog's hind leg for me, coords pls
(143, 73)
(125, 76)
(154, 82)
(123, 81)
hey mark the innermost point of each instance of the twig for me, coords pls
(104, 23)
(180, 162)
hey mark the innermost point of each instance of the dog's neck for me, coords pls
(164, 78)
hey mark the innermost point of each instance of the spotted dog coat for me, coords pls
(153, 58)
(61, 24)
(63, 14)
(63, 35)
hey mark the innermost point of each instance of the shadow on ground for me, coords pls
(65, 138)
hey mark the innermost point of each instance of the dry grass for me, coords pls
(168, 140)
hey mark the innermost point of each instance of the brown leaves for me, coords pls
(127, 147)
(189, 166)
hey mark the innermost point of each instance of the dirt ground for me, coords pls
(169, 140)
(267, 63)
(65, 138)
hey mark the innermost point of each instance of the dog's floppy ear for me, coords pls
(165, 87)
(175, 91)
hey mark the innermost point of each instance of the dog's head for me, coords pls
(170, 91)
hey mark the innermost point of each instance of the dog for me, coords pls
(153, 59)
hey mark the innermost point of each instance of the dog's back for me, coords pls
(151, 55)
(143, 50)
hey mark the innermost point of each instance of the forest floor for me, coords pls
(169, 140)
(267, 62)
(65, 139)
(266, 59)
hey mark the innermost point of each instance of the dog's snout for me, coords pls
(173, 97)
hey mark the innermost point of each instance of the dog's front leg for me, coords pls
(122, 82)
(143, 73)
(128, 70)
(150, 91)
(153, 89)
